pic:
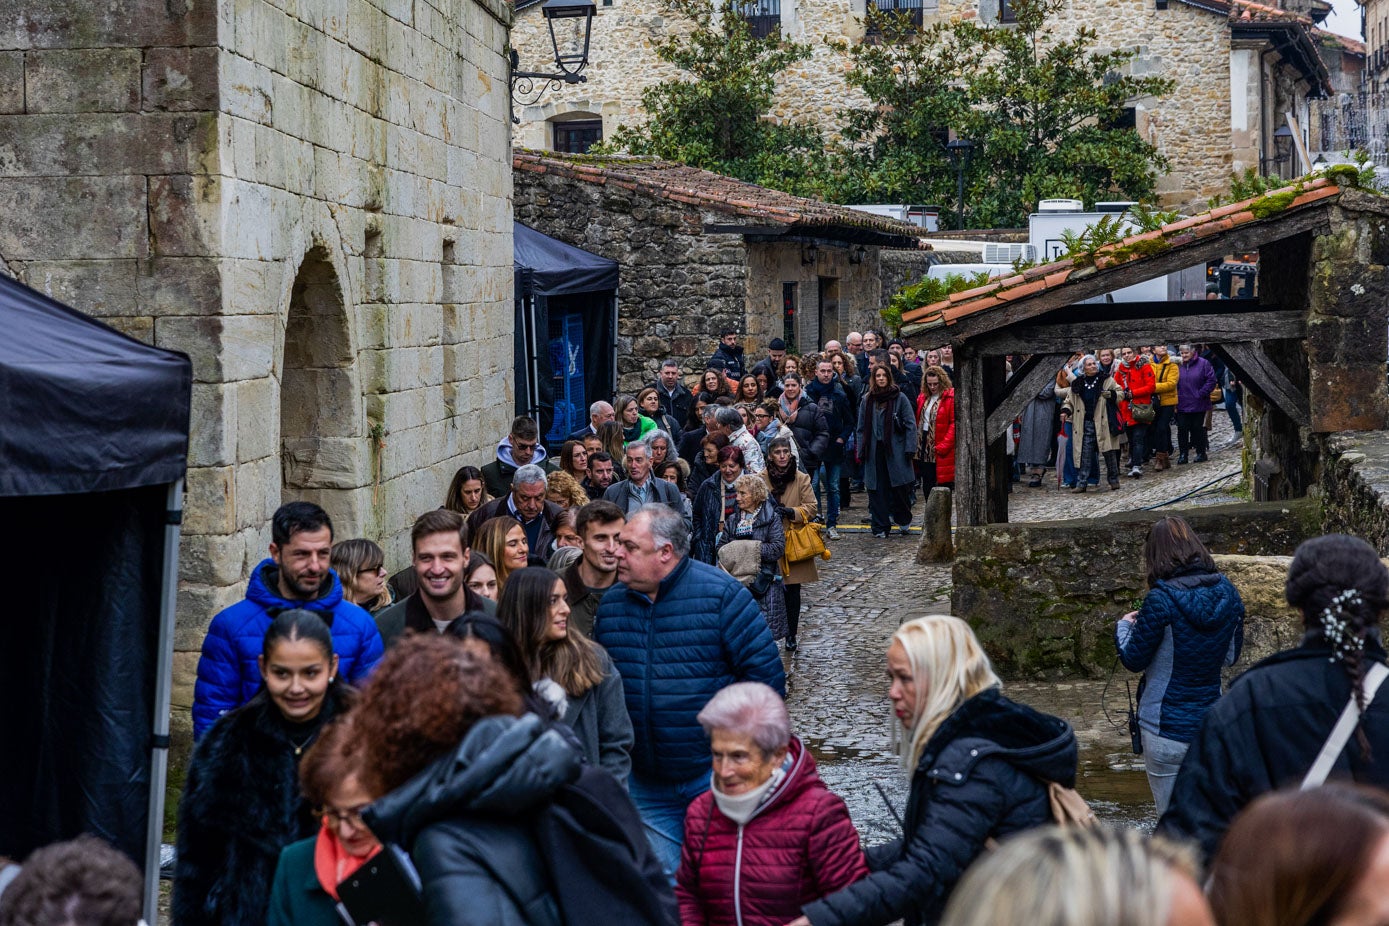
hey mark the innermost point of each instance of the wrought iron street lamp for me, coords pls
(961, 152)
(571, 25)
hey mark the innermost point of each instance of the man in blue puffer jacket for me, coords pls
(678, 632)
(295, 576)
(1191, 624)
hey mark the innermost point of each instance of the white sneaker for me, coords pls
(832, 533)
(1135, 472)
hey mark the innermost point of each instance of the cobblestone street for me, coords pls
(837, 688)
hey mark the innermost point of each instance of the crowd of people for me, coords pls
(570, 705)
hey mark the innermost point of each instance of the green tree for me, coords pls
(713, 114)
(1047, 114)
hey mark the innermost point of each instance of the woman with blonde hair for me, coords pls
(503, 541)
(1082, 877)
(564, 490)
(361, 567)
(981, 765)
(610, 435)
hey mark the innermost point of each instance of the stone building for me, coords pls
(310, 199)
(699, 252)
(1239, 66)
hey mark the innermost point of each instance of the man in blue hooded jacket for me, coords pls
(295, 576)
(678, 632)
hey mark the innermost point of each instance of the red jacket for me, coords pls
(1138, 379)
(945, 433)
(799, 847)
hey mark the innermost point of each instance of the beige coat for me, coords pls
(800, 497)
(1075, 406)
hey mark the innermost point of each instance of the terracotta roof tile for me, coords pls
(1020, 286)
(695, 187)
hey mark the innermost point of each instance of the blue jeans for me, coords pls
(1232, 408)
(662, 806)
(1068, 466)
(1162, 758)
(827, 475)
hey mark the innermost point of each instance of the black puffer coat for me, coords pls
(241, 805)
(982, 775)
(475, 824)
(1266, 733)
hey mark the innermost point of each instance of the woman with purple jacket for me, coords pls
(1194, 389)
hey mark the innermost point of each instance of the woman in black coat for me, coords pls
(1267, 731)
(714, 502)
(241, 803)
(807, 422)
(982, 764)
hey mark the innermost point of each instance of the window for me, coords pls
(789, 299)
(912, 9)
(763, 16)
(577, 136)
(1006, 14)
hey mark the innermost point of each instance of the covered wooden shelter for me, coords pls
(1312, 346)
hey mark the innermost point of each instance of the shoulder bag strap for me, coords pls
(1340, 734)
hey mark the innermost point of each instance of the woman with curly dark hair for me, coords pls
(569, 667)
(241, 803)
(1314, 702)
(472, 824)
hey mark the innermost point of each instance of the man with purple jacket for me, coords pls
(1194, 389)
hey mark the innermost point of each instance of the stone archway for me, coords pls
(322, 446)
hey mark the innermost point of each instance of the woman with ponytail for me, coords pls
(1278, 717)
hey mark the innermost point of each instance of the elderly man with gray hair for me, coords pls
(526, 503)
(768, 837)
(598, 413)
(730, 424)
(678, 631)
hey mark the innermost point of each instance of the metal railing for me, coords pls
(763, 16)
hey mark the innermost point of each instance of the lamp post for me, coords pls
(961, 152)
(573, 16)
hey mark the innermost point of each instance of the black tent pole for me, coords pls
(163, 694)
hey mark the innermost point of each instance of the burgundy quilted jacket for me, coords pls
(799, 847)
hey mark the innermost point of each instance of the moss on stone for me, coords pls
(1141, 249)
(1344, 175)
(1272, 204)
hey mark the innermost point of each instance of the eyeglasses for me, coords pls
(368, 570)
(761, 415)
(522, 445)
(351, 815)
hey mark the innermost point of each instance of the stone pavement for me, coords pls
(837, 687)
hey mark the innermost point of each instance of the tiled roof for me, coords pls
(759, 206)
(1348, 44)
(1248, 11)
(1009, 290)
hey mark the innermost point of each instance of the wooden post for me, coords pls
(971, 440)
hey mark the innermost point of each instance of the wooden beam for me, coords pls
(1088, 282)
(1000, 479)
(1214, 328)
(1256, 371)
(1025, 389)
(971, 441)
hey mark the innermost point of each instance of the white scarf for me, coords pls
(740, 807)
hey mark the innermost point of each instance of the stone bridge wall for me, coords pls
(1355, 486)
(1044, 596)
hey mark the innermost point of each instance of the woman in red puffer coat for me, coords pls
(768, 837)
(935, 415)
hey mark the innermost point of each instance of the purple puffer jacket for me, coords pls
(1195, 385)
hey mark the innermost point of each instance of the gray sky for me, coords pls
(1344, 19)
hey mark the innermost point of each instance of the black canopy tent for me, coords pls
(566, 330)
(93, 446)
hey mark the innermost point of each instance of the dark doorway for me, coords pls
(829, 309)
(789, 305)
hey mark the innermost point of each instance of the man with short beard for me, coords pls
(599, 524)
(600, 475)
(296, 575)
(440, 553)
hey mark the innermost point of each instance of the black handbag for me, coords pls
(762, 584)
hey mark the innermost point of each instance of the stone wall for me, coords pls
(1044, 596)
(310, 199)
(835, 295)
(1208, 126)
(1355, 486)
